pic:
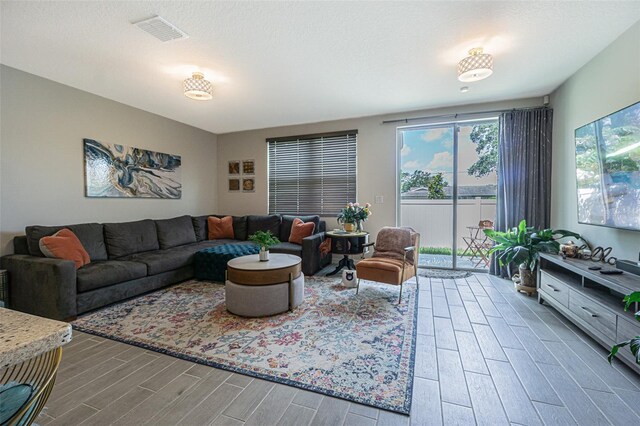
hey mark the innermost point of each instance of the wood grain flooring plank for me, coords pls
(504, 334)
(470, 353)
(449, 283)
(425, 322)
(557, 326)
(112, 392)
(74, 416)
(534, 382)
(574, 398)
(487, 306)
(457, 415)
(308, 399)
(364, 410)
(239, 380)
(199, 370)
(296, 415)
(426, 364)
(158, 401)
(223, 420)
(273, 406)
(534, 346)
(115, 409)
(387, 418)
(356, 420)
(440, 307)
(515, 400)
(249, 399)
(459, 318)
(598, 363)
(445, 337)
(489, 345)
(554, 415)
(485, 400)
(60, 390)
(453, 297)
(509, 314)
(426, 408)
(475, 312)
(466, 294)
(180, 407)
(577, 368)
(453, 387)
(614, 408)
(424, 299)
(212, 406)
(332, 411)
(168, 374)
(437, 289)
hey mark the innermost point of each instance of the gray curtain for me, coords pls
(524, 171)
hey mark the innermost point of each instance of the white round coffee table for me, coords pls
(257, 289)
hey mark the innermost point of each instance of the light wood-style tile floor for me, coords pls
(484, 355)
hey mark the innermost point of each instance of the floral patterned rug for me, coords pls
(357, 347)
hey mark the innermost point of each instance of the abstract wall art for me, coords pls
(113, 170)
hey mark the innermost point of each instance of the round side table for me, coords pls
(347, 243)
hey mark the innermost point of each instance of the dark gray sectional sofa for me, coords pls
(131, 258)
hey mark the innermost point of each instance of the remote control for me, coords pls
(611, 272)
(594, 268)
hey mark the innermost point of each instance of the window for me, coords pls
(313, 174)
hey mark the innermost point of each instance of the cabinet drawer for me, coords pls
(627, 329)
(554, 288)
(594, 314)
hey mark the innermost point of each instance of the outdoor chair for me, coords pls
(394, 259)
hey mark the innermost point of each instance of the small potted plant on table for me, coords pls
(265, 240)
(353, 215)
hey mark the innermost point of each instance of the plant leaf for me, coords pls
(616, 348)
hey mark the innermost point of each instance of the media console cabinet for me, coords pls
(591, 300)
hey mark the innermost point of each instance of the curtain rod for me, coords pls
(457, 115)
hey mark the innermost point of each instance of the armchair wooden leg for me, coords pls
(358, 286)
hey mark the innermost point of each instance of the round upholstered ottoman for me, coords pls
(211, 263)
(257, 289)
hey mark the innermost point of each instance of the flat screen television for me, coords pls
(608, 170)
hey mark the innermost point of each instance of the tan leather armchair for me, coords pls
(394, 260)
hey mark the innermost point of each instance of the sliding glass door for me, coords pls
(448, 190)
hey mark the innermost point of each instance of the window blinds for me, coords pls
(313, 174)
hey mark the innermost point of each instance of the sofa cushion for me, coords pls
(159, 261)
(301, 230)
(287, 248)
(220, 227)
(264, 223)
(128, 238)
(175, 232)
(287, 222)
(65, 245)
(90, 235)
(202, 229)
(108, 272)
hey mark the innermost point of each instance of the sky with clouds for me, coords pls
(431, 150)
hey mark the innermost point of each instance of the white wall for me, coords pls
(42, 165)
(609, 82)
(377, 158)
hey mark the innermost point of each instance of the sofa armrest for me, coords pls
(42, 286)
(312, 259)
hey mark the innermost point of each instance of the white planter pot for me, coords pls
(264, 255)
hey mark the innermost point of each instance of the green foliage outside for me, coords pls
(440, 250)
(434, 183)
(485, 136)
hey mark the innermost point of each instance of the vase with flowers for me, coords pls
(353, 215)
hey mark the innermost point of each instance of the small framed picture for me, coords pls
(248, 167)
(234, 167)
(248, 184)
(234, 185)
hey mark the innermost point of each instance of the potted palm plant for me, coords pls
(634, 342)
(522, 246)
(265, 240)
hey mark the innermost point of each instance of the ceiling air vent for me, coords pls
(161, 29)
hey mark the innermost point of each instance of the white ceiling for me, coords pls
(279, 63)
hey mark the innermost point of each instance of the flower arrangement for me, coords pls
(354, 213)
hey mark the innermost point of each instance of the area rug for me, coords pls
(356, 347)
(443, 273)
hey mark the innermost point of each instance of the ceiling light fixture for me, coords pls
(476, 66)
(198, 88)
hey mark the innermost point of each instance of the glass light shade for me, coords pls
(198, 88)
(476, 66)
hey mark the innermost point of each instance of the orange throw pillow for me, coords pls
(220, 228)
(300, 230)
(65, 245)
